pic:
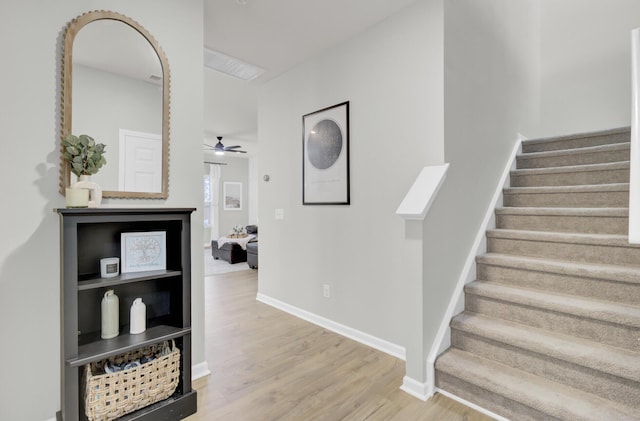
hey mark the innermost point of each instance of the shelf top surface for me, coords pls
(96, 281)
(105, 348)
(116, 211)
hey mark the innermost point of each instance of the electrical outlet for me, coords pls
(326, 291)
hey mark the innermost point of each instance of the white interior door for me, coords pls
(140, 162)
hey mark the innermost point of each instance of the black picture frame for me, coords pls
(325, 156)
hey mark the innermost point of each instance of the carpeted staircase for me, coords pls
(551, 327)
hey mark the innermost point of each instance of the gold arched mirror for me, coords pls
(115, 88)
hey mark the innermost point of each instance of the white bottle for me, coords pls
(138, 317)
(110, 318)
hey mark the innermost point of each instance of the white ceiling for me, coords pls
(275, 35)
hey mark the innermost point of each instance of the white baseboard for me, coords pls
(456, 304)
(364, 338)
(416, 389)
(200, 370)
(472, 405)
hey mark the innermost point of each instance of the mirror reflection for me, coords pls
(117, 98)
(118, 94)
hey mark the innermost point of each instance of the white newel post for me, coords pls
(413, 209)
(634, 180)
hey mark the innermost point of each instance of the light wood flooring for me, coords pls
(269, 365)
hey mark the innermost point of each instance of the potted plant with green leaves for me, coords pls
(85, 158)
(84, 155)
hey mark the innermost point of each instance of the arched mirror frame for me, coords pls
(66, 104)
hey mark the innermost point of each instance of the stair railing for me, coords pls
(634, 177)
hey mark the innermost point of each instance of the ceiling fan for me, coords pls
(220, 149)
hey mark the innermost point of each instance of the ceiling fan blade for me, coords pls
(219, 147)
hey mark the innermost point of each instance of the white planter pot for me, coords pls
(94, 189)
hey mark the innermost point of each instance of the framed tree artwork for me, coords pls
(325, 160)
(143, 251)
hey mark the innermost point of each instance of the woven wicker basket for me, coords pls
(112, 395)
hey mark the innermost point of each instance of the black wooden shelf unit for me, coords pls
(88, 235)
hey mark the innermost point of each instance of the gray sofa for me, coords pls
(234, 253)
(252, 255)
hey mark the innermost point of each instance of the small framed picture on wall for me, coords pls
(232, 191)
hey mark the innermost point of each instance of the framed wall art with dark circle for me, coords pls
(325, 156)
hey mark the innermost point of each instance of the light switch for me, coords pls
(279, 213)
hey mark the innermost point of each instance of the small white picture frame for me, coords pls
(232, 195)
(143, 251)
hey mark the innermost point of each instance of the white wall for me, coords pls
(253, 190)
(231, 106)
(236, 170)
(491, 93)
(104, 103)
(586, 64)
(30, 37)
(392, 76)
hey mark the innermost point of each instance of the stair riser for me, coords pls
(563, 160)
(581, 327)
(579, 142)
(574, 252)
(498, 404)
(580, 178)
(589, 287)
(612, 387)
(565, 223)
(612, 199)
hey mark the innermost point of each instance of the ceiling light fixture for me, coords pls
(231, 66)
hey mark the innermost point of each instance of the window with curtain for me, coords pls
(211, 199)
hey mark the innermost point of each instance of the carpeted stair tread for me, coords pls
(615, 361)
(571, 157)
(579, 140)
(602, 212)
(573, 151)
(568, 246)
(554, 399)
(603, 311)
(594, 188)
(621, 165)
(614, 283)
(581, 196)
(618, 273)
(580, 220)
(607, 173)
(614, 240)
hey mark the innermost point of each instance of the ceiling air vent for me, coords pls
(230, 65)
